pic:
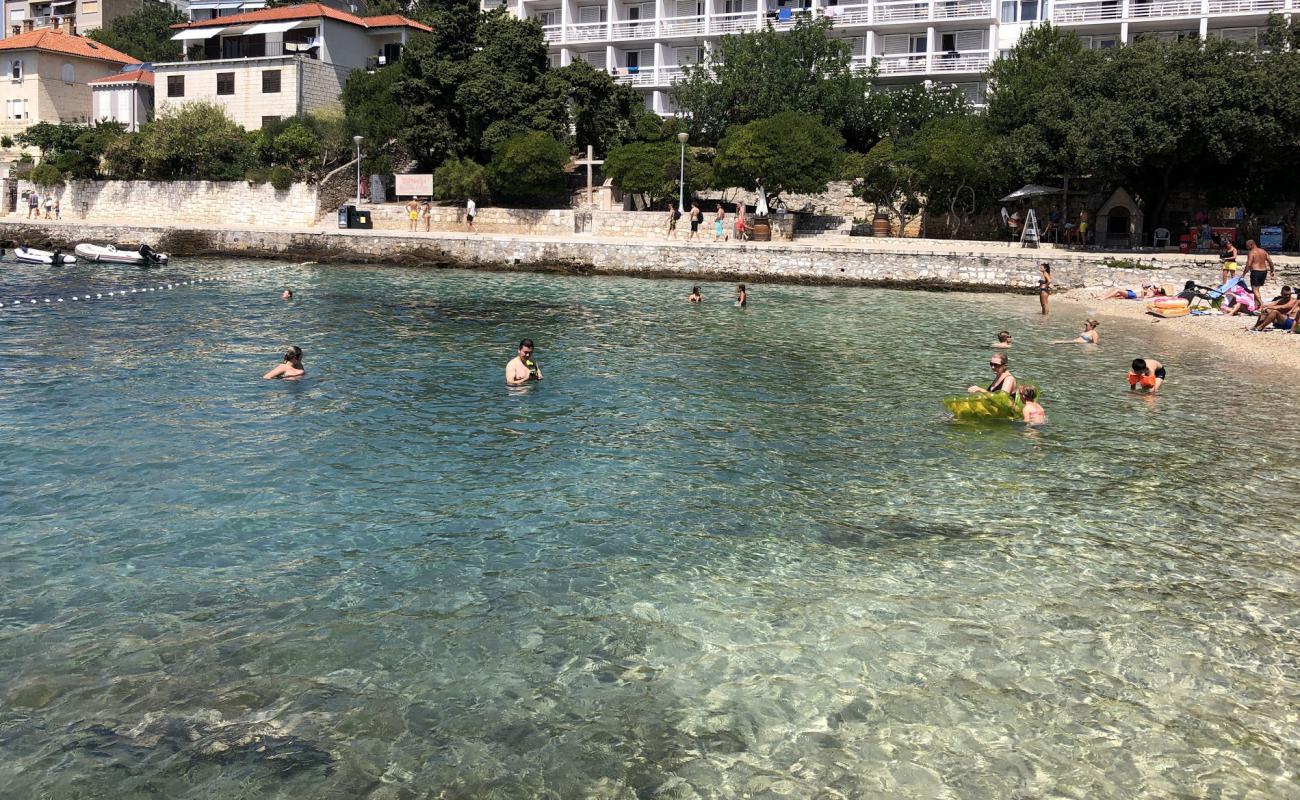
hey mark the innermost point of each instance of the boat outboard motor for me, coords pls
(56, 258)
(150, 257)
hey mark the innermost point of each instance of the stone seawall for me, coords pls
(1015, 270)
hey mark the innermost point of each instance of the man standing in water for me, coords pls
(1260, 266)
(522, 368)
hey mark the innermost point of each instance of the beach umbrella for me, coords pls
(1028, 191)
(760, 208)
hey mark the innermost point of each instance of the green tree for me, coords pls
(75, 150)
(602, 113)
(459, 179)
(291, 144)
(890, 178)
(789, 152)
(196, 141)
(653, 169)
(371, 109)
(528, 167)
(956, 158)
(46, 176)
(145, 33)
(754, 76)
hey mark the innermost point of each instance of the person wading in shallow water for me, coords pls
(291, 367)
(522, 368)
(1004, 382)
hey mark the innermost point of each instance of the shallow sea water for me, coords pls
(715, 554)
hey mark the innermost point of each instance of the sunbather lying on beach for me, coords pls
(1133, 294)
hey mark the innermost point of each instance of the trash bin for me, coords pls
(359, 218)
(345, 215)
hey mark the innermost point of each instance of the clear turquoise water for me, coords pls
(715, 554)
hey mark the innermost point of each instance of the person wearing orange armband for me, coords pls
(1146, 375)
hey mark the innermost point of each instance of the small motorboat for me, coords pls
(29, 255)
(108, 254)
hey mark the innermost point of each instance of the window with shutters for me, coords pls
(175, 85)
(687, 55)
(225, 83)
(590, 14)
(67, 73)
(270, 81)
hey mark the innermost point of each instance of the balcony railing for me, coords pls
(1090, 11)
(1142, 9)
(553, 33)
(900, 12)
(734, 23)
(681, 26)
(959, 62)
(1245, 6)
(644, 76)
(902, 64)
(634, 29)
(588, 32)
(962, 9)
(253, 50)
(849, 15)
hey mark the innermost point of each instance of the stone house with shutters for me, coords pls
(47, 75)
(126, 97)
(276, 63)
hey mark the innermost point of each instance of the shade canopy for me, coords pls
(277, 27)
(197, 33)
(1030, 190)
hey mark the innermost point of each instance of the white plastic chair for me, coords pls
(1161, 235)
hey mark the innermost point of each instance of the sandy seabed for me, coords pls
(1231, 335)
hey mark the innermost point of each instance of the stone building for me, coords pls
(126, 97)
(86, 15)
(277, 62)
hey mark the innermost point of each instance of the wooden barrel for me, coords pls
(762, 231)
(880, 226)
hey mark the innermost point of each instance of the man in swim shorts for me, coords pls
(1147, 375)
(1278, 312)
(412, 213)
(1260, 266)
(522, 368)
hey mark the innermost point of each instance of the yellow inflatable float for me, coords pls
(1169, 307)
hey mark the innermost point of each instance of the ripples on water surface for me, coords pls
(716, 554)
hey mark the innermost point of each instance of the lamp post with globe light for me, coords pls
(681, 178)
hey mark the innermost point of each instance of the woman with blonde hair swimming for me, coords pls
(291, 367)
(1089, 335)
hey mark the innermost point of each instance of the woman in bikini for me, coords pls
(1004, 380)
(1089, 335)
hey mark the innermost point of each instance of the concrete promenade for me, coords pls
(904, 263)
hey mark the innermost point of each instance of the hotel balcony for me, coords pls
(1245, 6)
(919, 64)
(908, 11)
(1067, 12)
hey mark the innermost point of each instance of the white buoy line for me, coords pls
(53, 301)
(27, 302)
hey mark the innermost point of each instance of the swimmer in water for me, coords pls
(1004, 340)
(742, 297)
(1004, 380)
(522, 368)
(1089, 335)
(695, 296)
(1033, 413)
(1146, 375)
(287, 294)
(291, 368)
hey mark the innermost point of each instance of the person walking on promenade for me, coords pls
(49, 207)
(673, 216)
(742, 228)
(697, 216)
(33, 205)
(1260, 266)
(57, 209)
(719, 224)
(471, 209)
(1083, 227)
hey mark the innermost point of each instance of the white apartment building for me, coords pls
(646, 43)
(277, 62)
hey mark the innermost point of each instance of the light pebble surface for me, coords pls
(1274, 348)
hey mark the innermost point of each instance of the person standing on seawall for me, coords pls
(1260, 266)
(522, 368)
(471, 209)
(412, 214)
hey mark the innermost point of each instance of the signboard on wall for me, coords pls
(1270, 238)
(414, 185)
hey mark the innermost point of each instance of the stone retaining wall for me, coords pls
(917, 268)
(182, 202)
(520, 221)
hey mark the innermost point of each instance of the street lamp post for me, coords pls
(356, 140)
(681, 177)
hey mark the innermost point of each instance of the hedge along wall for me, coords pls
(181, 203)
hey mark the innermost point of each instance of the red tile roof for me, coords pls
(53, 40)
(134, 76)
(307, 11)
